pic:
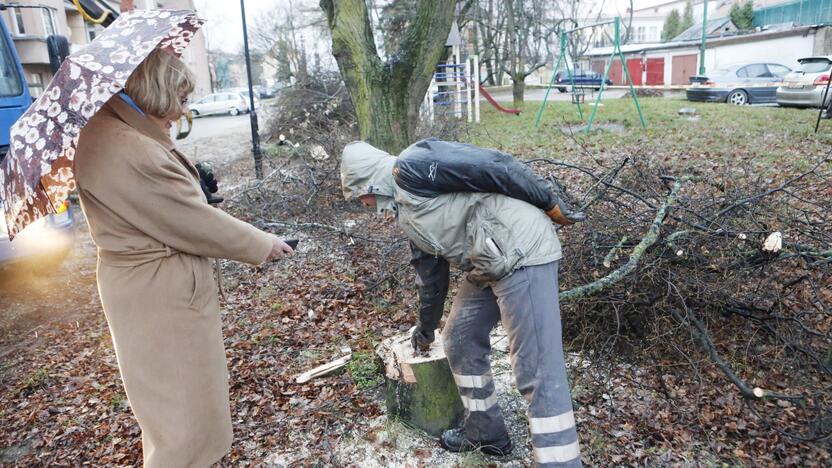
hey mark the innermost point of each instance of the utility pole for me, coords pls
(255, 137)
(704, 37)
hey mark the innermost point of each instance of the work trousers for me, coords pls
(527, 304)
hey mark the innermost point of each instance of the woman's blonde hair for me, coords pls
(158, 82)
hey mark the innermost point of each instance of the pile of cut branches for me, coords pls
(731, 260)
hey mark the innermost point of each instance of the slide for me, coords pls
(496, 104)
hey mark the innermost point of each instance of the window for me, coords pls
(814, 65)
(653, 34)
(50, 25)
(10, 82)
(778, 70)
(640, 33)
(757, 70)
(92, 31)
(35, 85)
(17, 21)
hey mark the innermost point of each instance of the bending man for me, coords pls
(491, 216)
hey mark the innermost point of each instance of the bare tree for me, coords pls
(529, 33)
(573, 14)
(281, 38)
(488, 25)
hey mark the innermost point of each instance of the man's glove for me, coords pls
(208, 182)
(421, 339)
(562, 214)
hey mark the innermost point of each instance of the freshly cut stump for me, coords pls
(420, 389)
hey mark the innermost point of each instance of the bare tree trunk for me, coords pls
(387, 95)
(518, 89)
(629, 29)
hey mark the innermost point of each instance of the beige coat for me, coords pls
(155, 233)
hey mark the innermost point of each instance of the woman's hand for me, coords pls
(279, 249)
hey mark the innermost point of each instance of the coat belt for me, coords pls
(134, 258)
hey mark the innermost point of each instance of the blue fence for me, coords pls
(803, 12)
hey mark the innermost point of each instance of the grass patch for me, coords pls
(725, 134)
(118, 402)
(38, 379)
(364, 370)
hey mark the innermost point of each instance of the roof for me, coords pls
(727, 39)
(454, 38)
(714, 27)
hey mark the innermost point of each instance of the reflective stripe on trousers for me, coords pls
(527, 304)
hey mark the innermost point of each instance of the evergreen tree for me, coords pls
(748, 14)
(671, 26)
(743, 16)
(687, 17)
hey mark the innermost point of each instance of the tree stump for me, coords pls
(419, 388)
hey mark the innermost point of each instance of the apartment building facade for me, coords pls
(30, 27)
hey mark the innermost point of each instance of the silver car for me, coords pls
(220, 103)
(754, 83)
(805, 87)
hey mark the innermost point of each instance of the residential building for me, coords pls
(196, 55)
(673, 63)
(30, 27)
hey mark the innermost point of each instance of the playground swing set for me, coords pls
(457, 83)
(577, 95)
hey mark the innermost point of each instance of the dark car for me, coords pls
(581, 78)
(265, 92)
(755, 83)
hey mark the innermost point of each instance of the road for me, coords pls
(218, 139)
(207, 127)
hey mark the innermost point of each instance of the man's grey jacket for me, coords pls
(478, 209)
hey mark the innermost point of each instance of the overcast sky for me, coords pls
(224, 29)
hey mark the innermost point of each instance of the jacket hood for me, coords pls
(366, 170)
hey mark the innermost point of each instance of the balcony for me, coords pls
(32, 50)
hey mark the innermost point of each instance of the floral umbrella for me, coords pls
(37, 174)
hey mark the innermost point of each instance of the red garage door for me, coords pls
(684, 66)
(616, 73)
(634, 69)
(655, 71)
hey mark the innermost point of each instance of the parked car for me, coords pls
(805, 87)
(582, 79)
(46, 242)
(264, 92)
(754, 83)
(220, 103)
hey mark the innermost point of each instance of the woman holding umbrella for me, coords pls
(156, 234)
(101, 127)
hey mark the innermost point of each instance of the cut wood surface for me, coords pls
(420, 388)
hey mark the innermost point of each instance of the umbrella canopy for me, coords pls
(36, 176)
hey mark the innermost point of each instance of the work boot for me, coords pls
(454, 440)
